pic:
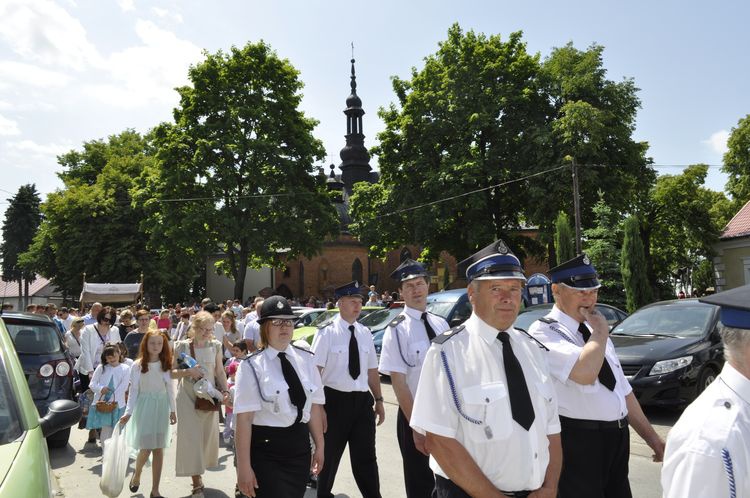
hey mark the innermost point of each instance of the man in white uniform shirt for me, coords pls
(596, 402)
(252, 327)
(405, 344)
(485, 400)
(345, 353)
(708, 449)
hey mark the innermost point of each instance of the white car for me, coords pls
(305, 316)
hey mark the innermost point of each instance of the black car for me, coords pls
(670, 351)
(47, 364)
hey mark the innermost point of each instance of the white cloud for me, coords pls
(166, 14)
(30, 75)
(126, 5)
(149, 72)
(42, 31)
(8, 126)
(5, 105)
(718, 141)
(33, 148)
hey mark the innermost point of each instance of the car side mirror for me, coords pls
(298, 325)
(61, 414)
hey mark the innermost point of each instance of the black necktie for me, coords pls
(606, 377)
(428, 328)
(353, 354)
(296, 391)
(520, 401)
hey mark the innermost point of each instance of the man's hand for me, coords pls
(596, 320)
(317, 461)
(380, 412)
(419, 440)
(658, 446)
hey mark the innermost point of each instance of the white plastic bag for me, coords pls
(115, 462)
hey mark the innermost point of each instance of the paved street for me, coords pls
(77, 467)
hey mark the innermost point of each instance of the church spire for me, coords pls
(355, 160)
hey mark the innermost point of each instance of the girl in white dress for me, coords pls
(151, 405)
(109, 383)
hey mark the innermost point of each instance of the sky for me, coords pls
(73, 71)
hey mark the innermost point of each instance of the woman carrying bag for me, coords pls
(198, 430)
(277, 406)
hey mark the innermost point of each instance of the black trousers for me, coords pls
(595, 462)
(351, 420)
(445, 488)
(418, 477)
(280, 457)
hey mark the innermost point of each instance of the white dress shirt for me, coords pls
(252, 331)
(405, 345)
(331, 348)
(260, 387)
(92, 345)
(589, 401)
(712, 432)
(512, 458)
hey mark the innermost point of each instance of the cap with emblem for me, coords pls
(409, 269)
(350, 289)
(496, 261)
(577, 273)
(275, 307)
(735, 306)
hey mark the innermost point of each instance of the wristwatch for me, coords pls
(379, 398)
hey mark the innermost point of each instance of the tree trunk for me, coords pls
(25, 293)
(239, 270)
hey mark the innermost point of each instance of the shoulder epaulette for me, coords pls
(547, 319)
(541, 346)
(303, 349)
(441, 338)
(399, 318)
(325, 324)
(256, 353)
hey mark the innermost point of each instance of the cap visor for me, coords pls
(282, 317)
(501, 276)
(581, 285)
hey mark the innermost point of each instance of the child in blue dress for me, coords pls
(151, 404)
(109, 383)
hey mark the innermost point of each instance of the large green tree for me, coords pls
(93, 226)
(603, 247)
(485, 117)
(737, 162)
(565, 248)
(236, 166)
(22, 219)
(681, 222)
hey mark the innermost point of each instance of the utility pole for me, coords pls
(576, 205)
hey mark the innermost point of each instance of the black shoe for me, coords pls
(133, 487)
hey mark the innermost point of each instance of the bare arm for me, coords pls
(460, 467)
(403, 394)
(552, 476)
(316, 430)
(246, 480)
(586, 369)
(373, 380)
(644, 428)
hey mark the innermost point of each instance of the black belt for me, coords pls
(516, 494)
(594, 425)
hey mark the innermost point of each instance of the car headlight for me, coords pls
(666, 366)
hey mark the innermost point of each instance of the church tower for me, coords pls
(355, 160)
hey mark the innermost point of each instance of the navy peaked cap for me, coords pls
(578, 273)
(350, 289)
(496, 261)
(735, 306)
(409, 269)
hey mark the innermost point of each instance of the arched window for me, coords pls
(405, 254)
(357, 271)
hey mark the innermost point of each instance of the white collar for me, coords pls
(413, 313)
(567, 321)
(736, 382)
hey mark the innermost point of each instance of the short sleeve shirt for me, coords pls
(511, 457)
(405, 345)
(565, 343)
(331, 348)
(711, 442)
(252, 331)
(260, 387)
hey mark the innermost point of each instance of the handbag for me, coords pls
(106, 406)
(203, 404)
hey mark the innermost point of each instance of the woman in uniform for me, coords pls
(278, 405)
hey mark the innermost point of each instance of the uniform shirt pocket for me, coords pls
(416, 353)
(272, 390)
(489, 404)
(338, 356)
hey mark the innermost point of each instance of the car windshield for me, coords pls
(674, 321)
(378, 319)
(10, 420)
(324, 317)
(34, 338)
(441, 308)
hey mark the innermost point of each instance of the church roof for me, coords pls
(739, 225)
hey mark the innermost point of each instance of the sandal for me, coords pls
(133, 487)
(198, 491)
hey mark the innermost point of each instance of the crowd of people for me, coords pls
(485, 409)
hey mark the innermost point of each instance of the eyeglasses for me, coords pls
(108, 319)
(280, 322)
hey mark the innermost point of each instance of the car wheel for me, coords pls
(705, 378)
(59, 439)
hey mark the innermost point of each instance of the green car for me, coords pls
(24, 460)
(307, 333)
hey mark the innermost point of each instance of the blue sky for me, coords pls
(79, 70)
